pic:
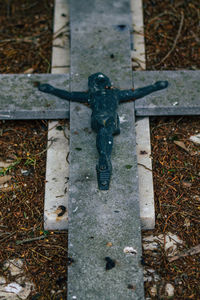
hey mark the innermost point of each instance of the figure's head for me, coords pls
(98, 82)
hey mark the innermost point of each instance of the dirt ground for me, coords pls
(25, 47)
(172, 42)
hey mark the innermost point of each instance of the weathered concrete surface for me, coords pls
(108, 57)
(143, 146)
(57, 177)
(57, 166)
(60, 50)
(99, 13)
(182, 97)
(20, 99)
(146, 192)
(103, 223)
(138, 51)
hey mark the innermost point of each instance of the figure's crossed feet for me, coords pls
(104, 170)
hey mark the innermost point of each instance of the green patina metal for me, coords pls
(103, 100)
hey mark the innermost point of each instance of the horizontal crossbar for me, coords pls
(20, 99)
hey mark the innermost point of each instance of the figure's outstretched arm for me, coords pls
(71, 96)
(127, 95)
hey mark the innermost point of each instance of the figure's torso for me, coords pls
(104, 101)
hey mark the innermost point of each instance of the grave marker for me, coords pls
(107, 252)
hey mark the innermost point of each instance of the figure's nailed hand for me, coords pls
(161, 85)
(36, 83)
(46, 88)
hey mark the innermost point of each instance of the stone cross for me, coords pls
(104, 226)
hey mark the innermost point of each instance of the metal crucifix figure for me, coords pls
(103, 100)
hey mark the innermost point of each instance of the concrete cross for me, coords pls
(104, 226)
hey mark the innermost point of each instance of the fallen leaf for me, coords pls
(5, 178)
(128, 166)
(181, 145)
(29, 71)
(187, 184)
(6, 189)
(4, 164)
(187, 222)
(109, 244)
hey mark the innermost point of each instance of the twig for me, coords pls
(31, 5)
(160, 15)
(144, 167)
(4, 226)
(40, 254)
(67, 138)
(8, 236)
(47, 148)
(8, 8)
(67, 158)
(46, 60)
(55, 35)
(19, 40)
(175, 41)
(31, 240)
(191, 251)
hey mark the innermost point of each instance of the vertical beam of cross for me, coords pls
(104, 226)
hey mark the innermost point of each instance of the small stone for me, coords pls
(196, 197)
(195, 138)
(159, 216)
(25, 172)
(156, 277)
(147, 278)
(130, 250)
(169, 290)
